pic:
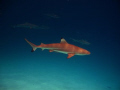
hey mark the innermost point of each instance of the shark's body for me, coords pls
(62, 47)
(83, 42)
(52, 15)
(31, 26)
(27, 25)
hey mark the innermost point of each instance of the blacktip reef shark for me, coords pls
(31, 26)
(27, 25)
(52, 15)
(62, 47)
(84, 42)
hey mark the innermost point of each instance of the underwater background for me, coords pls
(90, 24)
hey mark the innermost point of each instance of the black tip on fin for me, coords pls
(32, 50)
(61, 37)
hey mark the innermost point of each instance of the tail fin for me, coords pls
(34, 47)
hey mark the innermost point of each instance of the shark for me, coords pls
(82, 41)
(27, 25)
(52, 15)
(62, 47)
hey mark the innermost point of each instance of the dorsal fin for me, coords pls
(63, 40)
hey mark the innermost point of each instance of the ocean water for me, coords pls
(89, 24)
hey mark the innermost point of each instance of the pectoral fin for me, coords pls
(70, 55)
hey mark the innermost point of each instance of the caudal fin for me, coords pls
(34, 47)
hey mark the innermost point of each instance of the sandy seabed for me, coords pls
(52, 81)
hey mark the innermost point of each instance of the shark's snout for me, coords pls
(88, 52)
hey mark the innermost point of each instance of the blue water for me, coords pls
(97, 22)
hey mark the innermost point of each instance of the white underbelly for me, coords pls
(57, 50)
